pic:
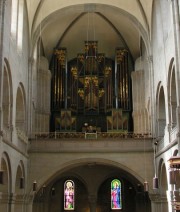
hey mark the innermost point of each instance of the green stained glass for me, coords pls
(116, 197)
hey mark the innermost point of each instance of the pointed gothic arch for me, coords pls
(7, 97)
(20, 108)
(161, 111)
(172, 95)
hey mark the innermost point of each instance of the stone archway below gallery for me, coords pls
(92, 186)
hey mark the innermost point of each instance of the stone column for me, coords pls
(2, 10)
(19, 203)
(31, 101)
(142, 201)
(28, 203)
(4, 200)
(43, 96)
(92, 202)
(11, 203)
(176, 26)
(173, 114)
(158, 203)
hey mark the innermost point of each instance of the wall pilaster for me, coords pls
(158, 203)
(176, 27)
(2, 11)
(92, 202)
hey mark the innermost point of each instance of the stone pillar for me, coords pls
(173, 114)
(11, 202)
(2, 11)
(161, 127)
(176, 27)
(142, 202)
(152, 97)
(30, 105)
(138, 101)
(4, 200)
(19, 203)
(178, 125)
(28, 203)
(92, 202)
(43, 96)
(158, 203)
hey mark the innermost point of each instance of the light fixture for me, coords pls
(34, 186)
(53, 191)
(43, 189)
(146, 186)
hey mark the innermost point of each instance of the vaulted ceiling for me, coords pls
(68, 23)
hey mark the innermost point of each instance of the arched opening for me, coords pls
(161, 113)
(20, 179)
(7, 101)
(92, 193)
(54, 197)
(19, 185)
(20, 109)
(5, 184)
(173, 99)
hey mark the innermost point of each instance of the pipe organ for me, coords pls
(90, 88)
(122, 79)
(90, 85)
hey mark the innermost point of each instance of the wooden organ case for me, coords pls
(91, 89)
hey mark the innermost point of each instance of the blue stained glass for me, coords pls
(116, 198)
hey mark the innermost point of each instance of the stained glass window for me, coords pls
(69, 195)
(116, 197)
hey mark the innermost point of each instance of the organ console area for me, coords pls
(92, 89)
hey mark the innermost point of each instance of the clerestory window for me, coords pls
(17, 22)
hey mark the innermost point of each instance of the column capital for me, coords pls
(5, 197)
(158, 198)
(150, 58)
(31, 60)
(178, 134)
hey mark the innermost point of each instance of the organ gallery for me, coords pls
(91, 89)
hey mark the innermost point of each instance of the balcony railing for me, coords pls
(85, 135)
(96, 142)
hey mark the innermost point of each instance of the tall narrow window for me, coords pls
(17, 22)
(14, 18)
(69, 195)
(20, 24)
(116, 197)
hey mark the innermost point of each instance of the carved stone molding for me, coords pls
(158, 198)
(178, 135)
(150, 58)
